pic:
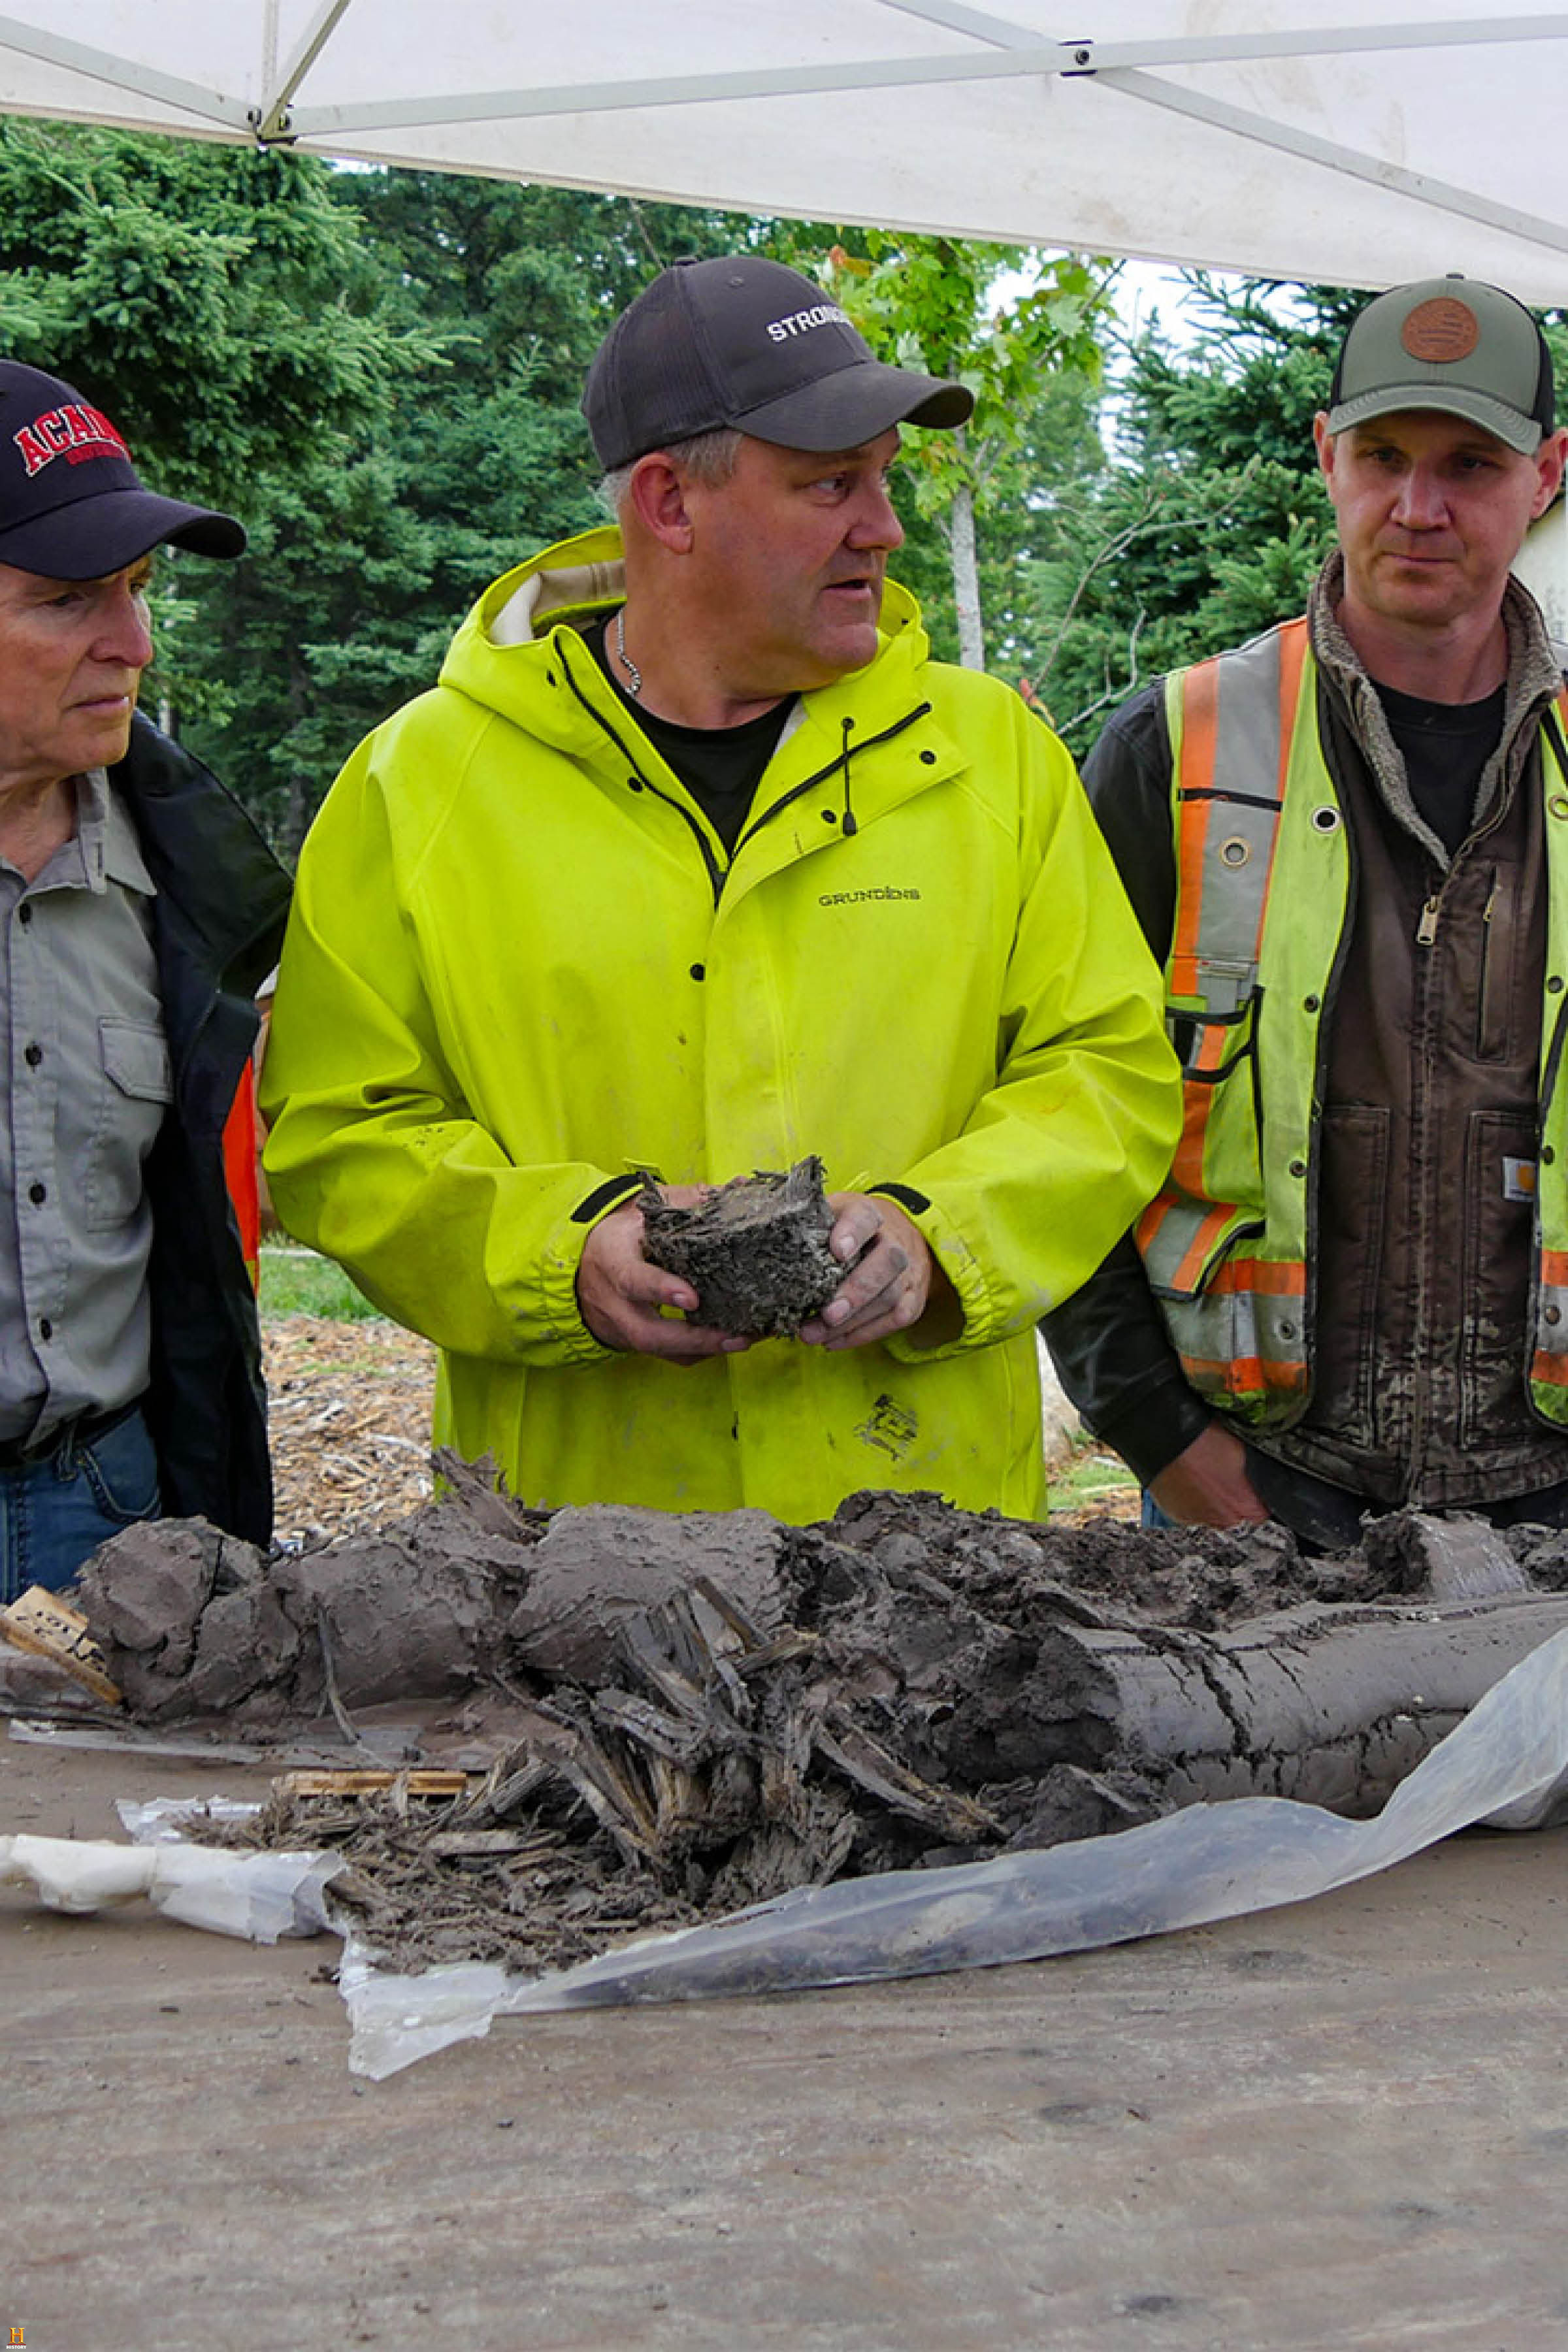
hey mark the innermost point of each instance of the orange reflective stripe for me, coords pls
(1210, 1228)
(1187, 1166)
(1553, 1267)
(1241, 1373)
(1551, 1371)
(1200, 741)
(1268, 1277)
(1292, 661)
(1292, 644)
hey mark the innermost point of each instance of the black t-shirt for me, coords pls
(1446, 746)
(720, 766)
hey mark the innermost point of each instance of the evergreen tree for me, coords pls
(1207, 524)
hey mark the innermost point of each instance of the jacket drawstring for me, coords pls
(850, 828)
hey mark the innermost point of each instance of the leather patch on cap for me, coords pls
(1442, 328)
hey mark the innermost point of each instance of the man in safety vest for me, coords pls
(139, 909)
(694, 861)
(1348, 844)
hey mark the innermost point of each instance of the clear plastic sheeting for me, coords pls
(259, 1896)
(1505, 1766)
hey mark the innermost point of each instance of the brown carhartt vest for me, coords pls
(1429, 1144)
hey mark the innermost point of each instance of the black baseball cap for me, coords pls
(1452, 344)
(746, 342)
(71, 504)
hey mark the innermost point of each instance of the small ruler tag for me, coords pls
(41, 1621)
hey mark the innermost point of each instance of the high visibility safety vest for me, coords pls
(1263, 868)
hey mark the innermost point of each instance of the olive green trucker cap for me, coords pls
(1452, 344)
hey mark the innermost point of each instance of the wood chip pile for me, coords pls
(349, 1416)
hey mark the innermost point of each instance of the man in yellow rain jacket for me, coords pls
(695, 863)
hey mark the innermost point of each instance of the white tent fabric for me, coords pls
(1245, 134)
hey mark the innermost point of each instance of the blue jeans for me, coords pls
(53, 1512)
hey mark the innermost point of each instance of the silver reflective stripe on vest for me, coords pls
(1235, 817)
(1236, 1321)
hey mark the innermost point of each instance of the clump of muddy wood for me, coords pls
(755, 1250)
(679, 1715)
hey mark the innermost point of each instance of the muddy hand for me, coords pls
(621, 1296)
(891, 1274)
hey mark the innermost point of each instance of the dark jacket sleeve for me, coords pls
(218, 925)
(1109, 1341)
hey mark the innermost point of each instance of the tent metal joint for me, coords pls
(272, 128)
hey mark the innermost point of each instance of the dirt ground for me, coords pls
(1341, 2125)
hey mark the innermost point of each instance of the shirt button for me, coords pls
(34, 1056)
(46, 1328)
(37, 1194)
(25, 912)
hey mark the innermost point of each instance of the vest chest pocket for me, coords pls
(135, 1087)
(1219, 1158)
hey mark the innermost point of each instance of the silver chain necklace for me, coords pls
(634, 675)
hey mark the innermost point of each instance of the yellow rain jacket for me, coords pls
(519, 969)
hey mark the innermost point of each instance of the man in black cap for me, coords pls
(695, 863)
(1348, 843)
(139, 909)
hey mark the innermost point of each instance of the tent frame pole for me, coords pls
(121, 73)
(1441, 195)
(1038, 59)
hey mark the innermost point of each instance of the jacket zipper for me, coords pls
(719, 875)
(1486, 977)
(715, 872)
(787, 800)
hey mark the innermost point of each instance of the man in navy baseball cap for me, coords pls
(138, 910)
(71, 503)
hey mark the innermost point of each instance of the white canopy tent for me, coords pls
(1243, 134)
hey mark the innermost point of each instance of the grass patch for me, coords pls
(1084, 1475)
(295, 1281)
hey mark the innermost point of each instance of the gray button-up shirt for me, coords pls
(84, 1083)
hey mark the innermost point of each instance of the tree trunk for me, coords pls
(967, 580)
(1329, 1706)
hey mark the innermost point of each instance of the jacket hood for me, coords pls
(499, 656)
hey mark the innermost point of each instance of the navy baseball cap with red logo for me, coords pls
(71, 504)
